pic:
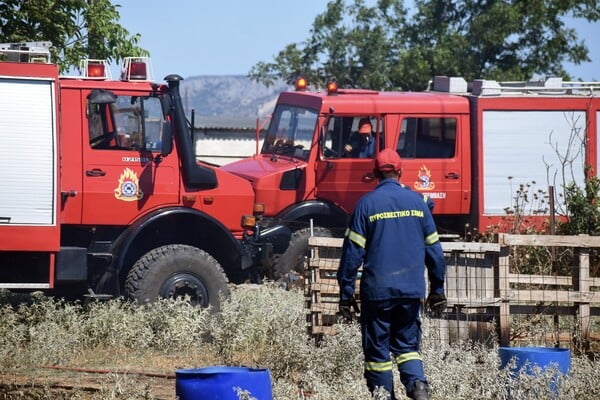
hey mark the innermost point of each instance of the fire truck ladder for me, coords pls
(547, 87)
(26, 52)
(550, 86)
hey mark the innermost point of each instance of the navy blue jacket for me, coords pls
(393, 233)
(362, 146)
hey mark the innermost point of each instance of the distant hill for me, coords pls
(229, 96)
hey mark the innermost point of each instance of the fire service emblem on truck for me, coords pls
(129, 188)
(424, 179)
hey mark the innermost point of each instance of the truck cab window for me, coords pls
(351, 137)
(130, 123)
(337, 133)
(427, 138)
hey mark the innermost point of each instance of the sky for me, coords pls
(228, 37)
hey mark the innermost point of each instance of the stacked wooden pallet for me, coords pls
(321, 288)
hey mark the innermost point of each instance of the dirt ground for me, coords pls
(103, 374)
(78, 384)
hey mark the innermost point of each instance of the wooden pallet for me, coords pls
(321, 287)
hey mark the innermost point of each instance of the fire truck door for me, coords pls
(124, 173)
(429, 149)
(345, 171)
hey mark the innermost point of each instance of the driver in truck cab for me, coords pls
(361, 144)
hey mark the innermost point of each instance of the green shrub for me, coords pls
(259, 326)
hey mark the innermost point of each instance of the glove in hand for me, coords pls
(345, 307)
(436, 304)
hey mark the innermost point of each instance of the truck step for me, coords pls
(19, 285)
(97, 296)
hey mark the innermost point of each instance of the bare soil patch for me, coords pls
(81, 385)
(100, 376)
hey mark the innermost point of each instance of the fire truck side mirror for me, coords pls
(100, 96)
(167, 139)
(322, 136)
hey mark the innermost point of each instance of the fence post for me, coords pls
(582, 285)
(502, 289)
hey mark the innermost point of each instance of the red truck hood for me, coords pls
(262, 165)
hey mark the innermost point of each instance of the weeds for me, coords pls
(258, 326)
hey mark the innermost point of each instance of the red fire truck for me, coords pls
(101, 189)
(467, 147)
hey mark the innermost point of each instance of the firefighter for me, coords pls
(361, 144)
(393, 236)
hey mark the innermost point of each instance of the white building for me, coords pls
(221, 140)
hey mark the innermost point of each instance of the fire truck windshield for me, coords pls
(290, 131)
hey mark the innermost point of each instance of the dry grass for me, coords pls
(259, 326)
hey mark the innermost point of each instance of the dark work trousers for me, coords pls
(391, 334)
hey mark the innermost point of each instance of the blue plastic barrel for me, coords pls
(528, 358)
(222, 383)
(543, 357)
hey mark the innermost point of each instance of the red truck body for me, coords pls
(101, 190)
(469, 151)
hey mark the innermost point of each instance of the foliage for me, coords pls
(522, 216)
(582, 206)
(527, 201)
(260, 326)
(387, 47)
(583, 215)
(243, 332)
(78, 29)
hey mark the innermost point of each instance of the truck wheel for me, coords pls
(295, 257)
(174, 271)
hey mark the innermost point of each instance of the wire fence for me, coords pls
(524, 290)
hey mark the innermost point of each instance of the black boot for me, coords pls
(420, 391)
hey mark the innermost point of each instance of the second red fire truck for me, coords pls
(467, 147)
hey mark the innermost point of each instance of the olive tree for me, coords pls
(392, 46)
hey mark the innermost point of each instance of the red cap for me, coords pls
(364, 126)
(388, 160)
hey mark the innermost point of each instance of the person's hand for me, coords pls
(345, 307)
(436, 304)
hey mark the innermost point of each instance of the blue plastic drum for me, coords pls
(222, 383)
(528, 358)
(543, 357)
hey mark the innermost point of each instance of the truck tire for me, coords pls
(177, 270)
(295, 257)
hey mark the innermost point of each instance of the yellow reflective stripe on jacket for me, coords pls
(378, 366)
(431, 239)
(402, 358)
(356, 238)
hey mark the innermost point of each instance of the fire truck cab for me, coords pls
(466, 147)
(101, 189)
